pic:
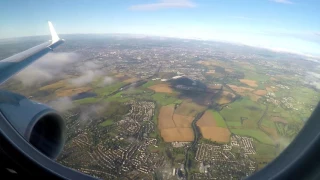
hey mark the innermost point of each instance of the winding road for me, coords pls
(196, 133)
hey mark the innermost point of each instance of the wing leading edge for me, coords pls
(14, 64)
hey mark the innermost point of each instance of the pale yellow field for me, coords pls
(177, 134)
(209, 129)
(182, 121)
(273, 79)
(165, 117)
(211, 72)
(212, 86)
(165, 88)
(249, 82)
(70, 92)
(224, 99)
(214, 63)
(246, 65)
(131, 80)
(253, 97)
(239, 89)
(228, 70)
(260, 92)
(55, 85)
(174, 127)
(206, 120)
(270, 89)
(245, 91)
(217, 134)
(189, 108)
(119, 75)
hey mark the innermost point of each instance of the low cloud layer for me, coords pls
(61, 104)
(53, 65)
(85, 78)
(163, 4)
(89, 112)
(89, 71)
(313, 79)
(87, 66)
(46, 68)
(107, 80)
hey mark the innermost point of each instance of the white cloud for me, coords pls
(87, 113)
(61, 104)
(57, 65)
(89, 71)
(89, 65)
(84, 79)
(313, 79)
(46, 68)
(107, 80)
(283, 1)
(163, 4)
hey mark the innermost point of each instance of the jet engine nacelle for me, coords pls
(39, 124)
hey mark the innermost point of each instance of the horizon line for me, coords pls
(175, 37)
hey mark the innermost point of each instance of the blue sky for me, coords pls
(286, 25)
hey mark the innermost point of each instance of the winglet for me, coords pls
(54, 36)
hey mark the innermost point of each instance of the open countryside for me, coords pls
(173, 111)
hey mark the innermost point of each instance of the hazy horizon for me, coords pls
(47, 37)
(285, 25)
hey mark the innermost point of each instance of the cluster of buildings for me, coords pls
(285, 102)
(228, 161)
(108, 158)
(137, 119)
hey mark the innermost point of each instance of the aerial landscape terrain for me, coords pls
(144, 107)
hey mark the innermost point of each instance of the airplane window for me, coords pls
(160, 89)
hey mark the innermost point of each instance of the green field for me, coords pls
(265, 149)
(243, 107)
(164, 99)
(288, 115)
(254, 133)
(268, 123)
(118, 98)
(107, 123)
(265, 153)
(288, 130)
(151, 83)
(219, 119)
(304, 99)
(255, 76)
(139, 93)
(109, 89)
(234, 123)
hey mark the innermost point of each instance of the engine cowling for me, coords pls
(39, 124)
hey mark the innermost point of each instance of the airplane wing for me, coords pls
(12, 65)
